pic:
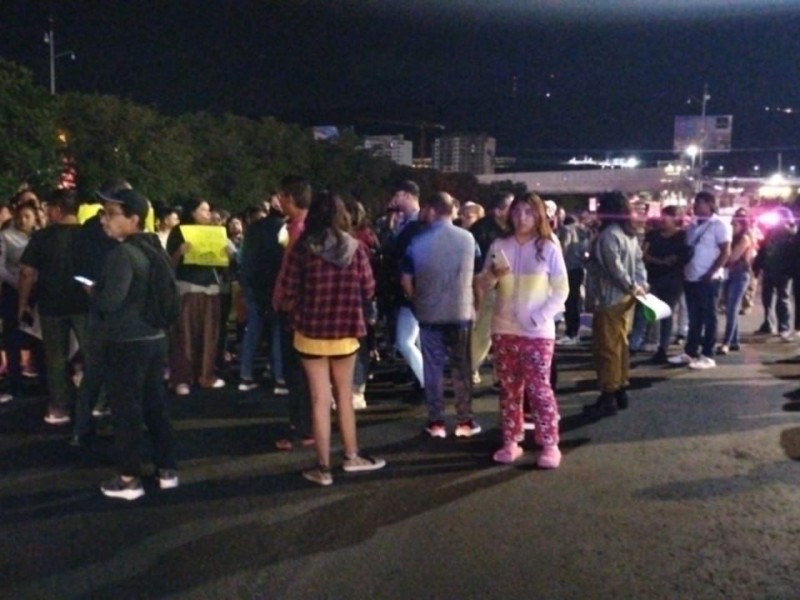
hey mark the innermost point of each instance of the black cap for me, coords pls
(131, 199)
(407, 186)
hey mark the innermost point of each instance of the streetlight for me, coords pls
(50, 40)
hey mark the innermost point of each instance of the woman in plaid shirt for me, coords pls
(328, 283)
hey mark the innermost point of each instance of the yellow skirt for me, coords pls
(314, 347)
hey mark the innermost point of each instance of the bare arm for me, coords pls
(407, 283)
(27, 278)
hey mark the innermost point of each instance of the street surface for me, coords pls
(694, 492)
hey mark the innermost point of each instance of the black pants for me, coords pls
(136, 394)
(572, 307)
(296, 382)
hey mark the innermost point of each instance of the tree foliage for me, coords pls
(28, 151)
(231, 161)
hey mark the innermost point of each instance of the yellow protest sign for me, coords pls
(207, 245)
(87, 211)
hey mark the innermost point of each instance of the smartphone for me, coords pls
(500, 260)
(84, 280)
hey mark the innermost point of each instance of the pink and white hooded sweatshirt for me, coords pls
(532, 293)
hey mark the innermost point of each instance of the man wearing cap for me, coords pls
(136, 352)
(48, 264)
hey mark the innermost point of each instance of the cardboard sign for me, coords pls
(208, 244)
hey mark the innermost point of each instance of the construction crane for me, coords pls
(420, 125)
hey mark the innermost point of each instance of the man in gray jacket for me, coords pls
(136, 351)
(615, 276)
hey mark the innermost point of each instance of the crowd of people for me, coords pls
(310, 279)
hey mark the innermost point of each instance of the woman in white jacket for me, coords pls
(527, 268)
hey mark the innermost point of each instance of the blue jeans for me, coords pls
(669, 290)
(736, 285)
(701, 304)
(406, 336)
(442, 343)
(252, 333)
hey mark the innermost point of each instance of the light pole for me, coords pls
(50, 40)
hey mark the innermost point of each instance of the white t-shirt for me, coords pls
(705, 237)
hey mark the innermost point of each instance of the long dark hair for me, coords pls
(326, 213)
(542, 229)
(614, 207)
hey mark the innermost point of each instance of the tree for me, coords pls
(111, 138)
(28, 148)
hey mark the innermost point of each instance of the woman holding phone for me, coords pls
(527, 268)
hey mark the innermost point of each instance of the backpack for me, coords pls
(162, 303)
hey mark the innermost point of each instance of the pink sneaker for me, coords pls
(550, 457)
(507, 454)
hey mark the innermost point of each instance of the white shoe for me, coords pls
(359, 401)
(476, 378)
(703, 363)
(680, 359)
(567, 341)
(218, 383)
(182, 389)
(247, 385)
(788, 335)
(6, 398)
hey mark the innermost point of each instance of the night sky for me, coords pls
(591, 75)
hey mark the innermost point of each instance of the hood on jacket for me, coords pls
(332, 250)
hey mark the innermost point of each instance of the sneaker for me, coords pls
(247, 384)
(567, 341)
(436, 429)
(507, 454)
(182, 389)
(765, 329)
(119, 488)
(679, 340)
(29, 373)
(680, 359)
(660, 357)
(702, 363)
(280, 390)
(476, 378)
(359, 401)
(167, 479)
(6, 398)
(55, 419)
(361, 462)
(550, 458)
(723, 349)
(101, 411)
(467, 429)
(218, 383)
(319, 475)
(788, 335)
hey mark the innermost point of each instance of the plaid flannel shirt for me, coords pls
(328, 301)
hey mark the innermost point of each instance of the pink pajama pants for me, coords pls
(523, 369)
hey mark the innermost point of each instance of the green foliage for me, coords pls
(28, 150)
(231, 161)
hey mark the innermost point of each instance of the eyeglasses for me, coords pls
(109, 213)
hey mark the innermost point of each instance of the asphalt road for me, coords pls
(691, 493)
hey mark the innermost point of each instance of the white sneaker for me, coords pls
(247, 385)
(788, 335)
(476, 378)
(703, 363)
(6, 398)
(218, 383)
(680, 359)
(182, 389)
(567, 341)
(359, 401)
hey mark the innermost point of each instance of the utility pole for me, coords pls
(706, 98)
(50, 40)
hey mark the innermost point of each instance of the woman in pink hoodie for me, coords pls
(527, 268)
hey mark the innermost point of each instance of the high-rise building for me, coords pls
(461, 153)
(394, 147)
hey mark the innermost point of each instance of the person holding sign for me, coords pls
(196, 249)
